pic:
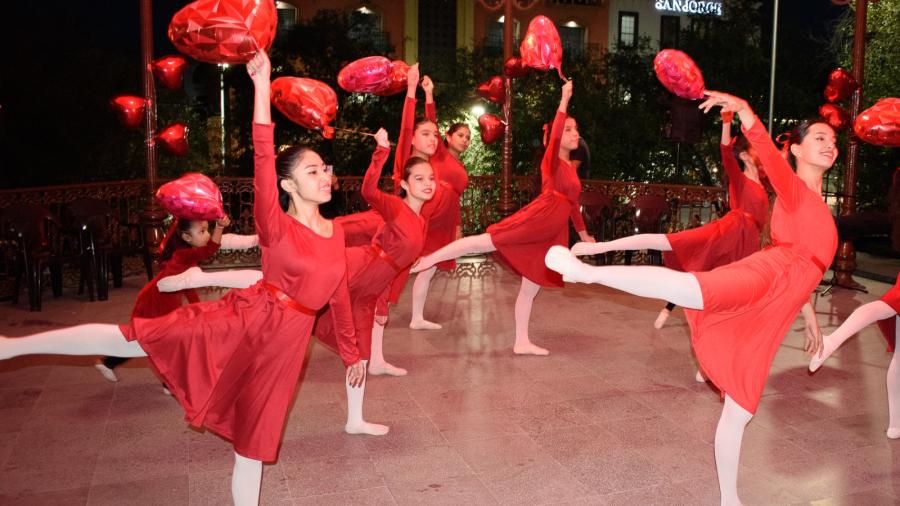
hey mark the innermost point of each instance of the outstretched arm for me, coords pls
(383, 203)
(266, 211)
(235, 241)
(195, 277)
(407, 124)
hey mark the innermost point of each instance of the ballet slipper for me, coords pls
(564, 262)
(699, 377)
(661, 319)
(893, 433)
(106, 372)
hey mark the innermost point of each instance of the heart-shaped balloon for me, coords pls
(491, 128)
(880, 124)
(541, 48)
(307, 102)
(169, 70)
(129, 109)
(840, 86)
(365, 75)
(516, 68)
(173, 139)
(224, 31)
(836, 116)
(493, 90)
(193, 196)
(397, 80)
(679, 74)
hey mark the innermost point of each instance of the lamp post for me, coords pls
(153, 216)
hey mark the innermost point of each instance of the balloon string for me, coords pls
(359, 132)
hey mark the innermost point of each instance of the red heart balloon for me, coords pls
(169, 71)
(541, 47)
(129, 109)
(193, 196)
(397, 80)
(835, 115)
(516, 68)
(307, 102)
(224, 31)
(493, 90)
(365, 75)
(173, 139)
(840, 86)
(679, 74)
(880, 124)
(491, 128)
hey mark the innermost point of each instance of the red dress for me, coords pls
(443, 211)
(151, 303)
(233, 364)
(729, 238)
(372, 268)
(749, 305)
(522, 240)
(888, 326)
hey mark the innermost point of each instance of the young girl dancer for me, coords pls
(739, 313)
(522, 239)
(187, 244)
(884, 311)
(720, 242)
(233, 364)
(443, 212)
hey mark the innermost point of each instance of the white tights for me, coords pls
(729, 434)
(246, 480)
(419, 294)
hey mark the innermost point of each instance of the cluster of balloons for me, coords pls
(193, 196)
(839, 88)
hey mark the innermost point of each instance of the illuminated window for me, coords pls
(628, 29)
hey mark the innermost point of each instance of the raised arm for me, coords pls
(266, 211)
(407, 124)
(551, 156)
(431, 115)
(729, 162)
(381, 202)
(786, 184)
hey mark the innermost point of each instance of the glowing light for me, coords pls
(478, 110)
(572, 24)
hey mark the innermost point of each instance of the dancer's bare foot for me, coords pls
(816, 361)
(177, 282)
(385, 369)
(564, 262)
(424, 324)
(661, 319)
(530, 349)
(366, 428)
(588, 248)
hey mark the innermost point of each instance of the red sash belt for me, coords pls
(287, 300)
(387, 258)
(563, 195)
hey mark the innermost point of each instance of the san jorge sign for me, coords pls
(690, 6)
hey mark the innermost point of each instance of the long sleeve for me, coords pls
(551, 156)
(266, 210)
(190, 257)
(577, 218)
(404, 141)
(787, 185)
(342, 318)
(441, 151)
(385, 204)
(235, 241)
(734, 174)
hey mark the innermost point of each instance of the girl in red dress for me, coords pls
(443, 212)
(233, 364)
(521, 240)
(720, 242)
(739, 313)
(886, 312)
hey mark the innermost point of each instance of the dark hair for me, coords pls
(798, 134)
(421, 121)
(740, 145)
(173, 241)
(453, 129)
(285, 163)
(407, 170)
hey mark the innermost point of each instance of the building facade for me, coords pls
(660, 21)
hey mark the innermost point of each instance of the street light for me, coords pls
(478, 110)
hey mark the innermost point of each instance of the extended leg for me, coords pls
(472, 244)
(663, 316)
(860, 318)
(419, 293)
(680, 288)
(523, 346)
(635, 242)
(89, 339)
(355, 422)
(729, 434)
(246, 479)
(195, 277)
(893, 389)
(377, 365)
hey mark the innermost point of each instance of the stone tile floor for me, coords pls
(612, 416)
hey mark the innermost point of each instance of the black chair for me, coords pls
(598, 212)
(40, 242)
(648, 213)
